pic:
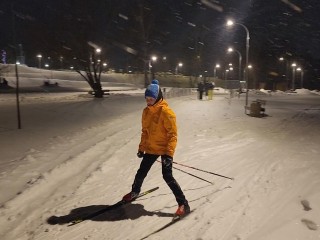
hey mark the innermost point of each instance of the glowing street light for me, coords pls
(152, 59)
(226, 75)
(39, 56)
(254, 82)
(299, 69)
(215, 70)
(231, 23)
(230, 49)
(151, 69)
(180, 64)
(282, 59)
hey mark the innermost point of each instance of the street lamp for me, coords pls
(281, 59)
(39, 56)
(215, 70)
(299, 69)
(177, 67)
(293, 65)
(61, 62)
(230, 23)
(226, 75)
(240, 59)
(249, 69)
(151, 69)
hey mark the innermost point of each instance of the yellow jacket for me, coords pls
(159, 130)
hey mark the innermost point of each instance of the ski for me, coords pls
(111, 207)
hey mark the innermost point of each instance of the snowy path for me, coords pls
(274, 160)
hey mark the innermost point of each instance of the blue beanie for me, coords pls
(153, 89)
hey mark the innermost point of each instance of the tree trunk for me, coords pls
(98, 93)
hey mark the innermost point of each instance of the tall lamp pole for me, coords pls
(240, 60)
(281, 59)
(151, 68)
(215, 70)
(230, 23)
(180, 64)
(293, 65)
(39, 56)
(299, 69)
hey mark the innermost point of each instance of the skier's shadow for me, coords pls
(130, 211)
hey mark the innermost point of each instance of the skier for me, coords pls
(158, 138)
(200, 89)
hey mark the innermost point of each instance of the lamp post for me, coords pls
(177, 67)
(293, 65)
(281, 59)
(151, 69)
(230, 23)
(104, 66)
(226, 75)
(299, 69)
(39, 56)
(240, 59)
(61, 62)
(215, 70)
(254, 82)
(165, 67)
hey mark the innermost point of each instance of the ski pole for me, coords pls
(193, 175)
(203, 170)
(190, 174)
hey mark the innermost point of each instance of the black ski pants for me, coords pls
(146, 164)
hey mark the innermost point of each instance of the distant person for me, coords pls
(158, 138)
(210, 90)
(3, 82)
(206, 88)
(201, 89)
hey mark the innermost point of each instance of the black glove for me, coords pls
(140, 154)
(166, 161)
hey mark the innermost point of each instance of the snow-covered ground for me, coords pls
(75, 154)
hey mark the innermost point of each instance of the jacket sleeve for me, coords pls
(143, 133)
(172, 134)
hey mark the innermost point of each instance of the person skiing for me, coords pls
(158, 138)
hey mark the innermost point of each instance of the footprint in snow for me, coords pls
(306, 205)
(310, 224)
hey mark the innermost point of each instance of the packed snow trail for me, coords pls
(274, 161)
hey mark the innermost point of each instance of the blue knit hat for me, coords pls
(153, 90)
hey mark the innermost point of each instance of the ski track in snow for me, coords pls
(96, 166)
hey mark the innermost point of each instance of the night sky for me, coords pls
(191, 31)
